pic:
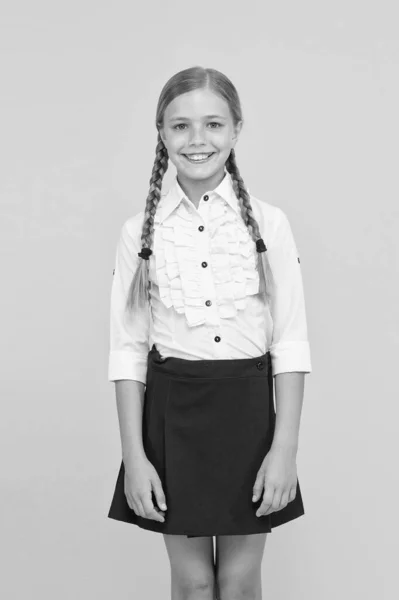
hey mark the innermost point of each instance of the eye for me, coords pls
(177, 127)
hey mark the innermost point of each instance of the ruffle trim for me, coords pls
(177, 264)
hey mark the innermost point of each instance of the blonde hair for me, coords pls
(181, 83)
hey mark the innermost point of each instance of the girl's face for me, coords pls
(199, 125)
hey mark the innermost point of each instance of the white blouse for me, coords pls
(204, 283)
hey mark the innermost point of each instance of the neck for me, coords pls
(195, 189)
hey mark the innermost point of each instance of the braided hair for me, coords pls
(265, 273)
(180, 83)
(138, 290)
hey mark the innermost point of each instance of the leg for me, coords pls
(238, 566)
(192, 567)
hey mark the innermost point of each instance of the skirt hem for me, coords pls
(268, 528)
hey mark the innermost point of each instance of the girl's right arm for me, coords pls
(140, 475)
(129, 344)
(129, 347)
(130, 402)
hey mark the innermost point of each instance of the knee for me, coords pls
(236, 587)
(195, 587)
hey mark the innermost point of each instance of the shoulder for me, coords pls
(270, 217)
(132, 227)
(131, 230)
(134, 224)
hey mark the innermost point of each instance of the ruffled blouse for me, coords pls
(177, 263)
(204, 301)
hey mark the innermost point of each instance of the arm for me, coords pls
(277, 475)
(130, 401)
(290, 355)
(289, 399)
(290, 351)
(129, 344)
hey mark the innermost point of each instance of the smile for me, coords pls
(198, 158)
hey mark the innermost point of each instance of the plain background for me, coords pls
(319, 88)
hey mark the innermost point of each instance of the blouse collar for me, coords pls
(175, 195)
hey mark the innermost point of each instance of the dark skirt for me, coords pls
(207, 426)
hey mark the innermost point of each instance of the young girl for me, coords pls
(207, 312)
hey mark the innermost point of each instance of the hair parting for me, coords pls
(185, 81)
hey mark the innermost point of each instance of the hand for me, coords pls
(140, 478)
(278, 476)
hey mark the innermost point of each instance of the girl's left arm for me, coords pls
(289, 349)
(289, 390)
(290, 361)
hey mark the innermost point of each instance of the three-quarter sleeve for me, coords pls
(289, 349)
(129, 330)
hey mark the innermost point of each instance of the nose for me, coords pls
(197, 136)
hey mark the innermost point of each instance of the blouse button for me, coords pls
(204, 264)
(259, 365)
(217, 339)
(206, 198)
(201, 228)
(208, 302)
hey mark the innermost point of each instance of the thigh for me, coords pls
(240, 555)
(191, 559)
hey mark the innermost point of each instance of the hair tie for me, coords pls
(260, 245)
(145, 253)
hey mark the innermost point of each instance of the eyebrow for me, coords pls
(206, 117)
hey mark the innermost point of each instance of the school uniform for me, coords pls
(207, 348)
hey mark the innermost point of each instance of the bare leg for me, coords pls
(238, 566)
(192, 567)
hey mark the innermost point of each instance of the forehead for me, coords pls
(196, 104)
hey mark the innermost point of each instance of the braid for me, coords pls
(138, 291)
(265, 273)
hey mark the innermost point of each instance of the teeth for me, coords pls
(198, 156)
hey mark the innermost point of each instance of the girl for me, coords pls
(207, 312)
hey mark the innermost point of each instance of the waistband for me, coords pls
(259, 366)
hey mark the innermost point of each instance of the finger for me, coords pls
(267, 500)
(130, 499)
(278, 501)
(258, 487)
(285, 498)
(159, 494)
(132, 503)
(140, 508)
(149, 510)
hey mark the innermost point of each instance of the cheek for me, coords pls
(176, 143)
(222, 139)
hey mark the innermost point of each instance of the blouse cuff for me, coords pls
(127, 365)
(290, 356)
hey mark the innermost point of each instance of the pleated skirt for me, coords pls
(207, 426)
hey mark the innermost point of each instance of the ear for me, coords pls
(237, 131)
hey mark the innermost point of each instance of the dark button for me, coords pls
(217, 339)
(206, 198)
(208, 302)
(260, 365)
(204, 264)
(201, 228)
